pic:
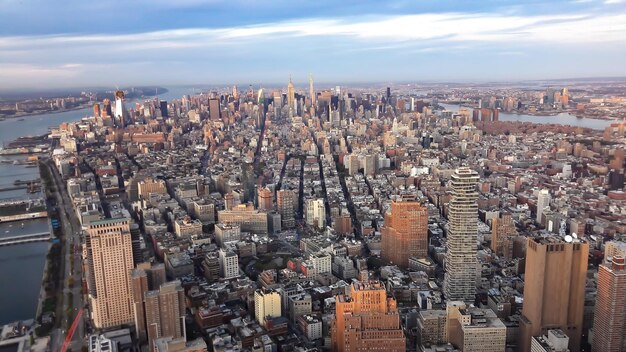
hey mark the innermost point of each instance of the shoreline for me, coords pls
(44, 113)
(570, 113)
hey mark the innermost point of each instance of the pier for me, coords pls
(34, 237)
(27, 216)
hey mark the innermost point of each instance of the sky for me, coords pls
(45, 45)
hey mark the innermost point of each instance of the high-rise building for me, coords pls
(502, 233)
(312, 91)
(285, 205)
(291, 96)
(369, 164)
(405, 233)
(165, 312)
(543, 202)
(265, 199)
(609, 326)
(315, 213)
(461, 263)
(229, 264)
(366, 320)
(109, 261)
(554, 288)
(266, 304)
(353, 164)
(120, 109)
(214, 109)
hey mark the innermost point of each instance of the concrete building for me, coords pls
(311, 327)
(315, 213)
(108, 262)
(461, 264)
(229, 264)
(543, 202)
(554, 288)
(165, 312)
(405, 233)
(609, 327)
(248, 219)
(150, 185)
(366, 320)
(227, 233)
(369, 164)
(286, 208)
(432, 327)
(266, 304)
(185, 226)
(472, 329)
(265, 199)
(554, 341)
(502, 233)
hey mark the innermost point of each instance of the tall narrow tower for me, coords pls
(543, 201)
(291, 95)
(609, 326)
(312, 91)
(461, 264)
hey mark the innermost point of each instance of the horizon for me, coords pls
(181, 43)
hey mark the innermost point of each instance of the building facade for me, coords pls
(461, 264)
(405, 233)
(109, 261)
(554, 289)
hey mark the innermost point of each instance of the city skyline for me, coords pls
(237, 42)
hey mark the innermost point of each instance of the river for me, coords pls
(21, 266)
(561, 119)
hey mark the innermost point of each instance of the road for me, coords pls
(71, 253)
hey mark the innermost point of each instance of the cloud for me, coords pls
(613, 2)
(375, 40)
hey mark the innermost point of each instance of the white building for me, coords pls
(229, 264)
(316, 213)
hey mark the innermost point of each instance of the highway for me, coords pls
(71, 253)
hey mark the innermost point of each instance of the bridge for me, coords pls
(33, 237)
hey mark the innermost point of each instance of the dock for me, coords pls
(35, 237)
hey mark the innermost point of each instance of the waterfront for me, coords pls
(561, 118)
(21, 266)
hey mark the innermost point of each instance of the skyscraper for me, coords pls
(312, 91)
(291, 96)
(367, 320)
(120, 109)
(543, 201)
(405, 233)
(502, 233)
(214, 109)
(609, 326)
(554, 288)
(109, 261)
(284, 203)
(461, 263)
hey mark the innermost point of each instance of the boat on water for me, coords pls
(20, 119)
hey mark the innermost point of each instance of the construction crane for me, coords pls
(70, 332)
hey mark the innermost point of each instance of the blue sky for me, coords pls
(115, 42)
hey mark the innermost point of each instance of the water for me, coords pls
(21, 269)
(561, 119)
(21, 266)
